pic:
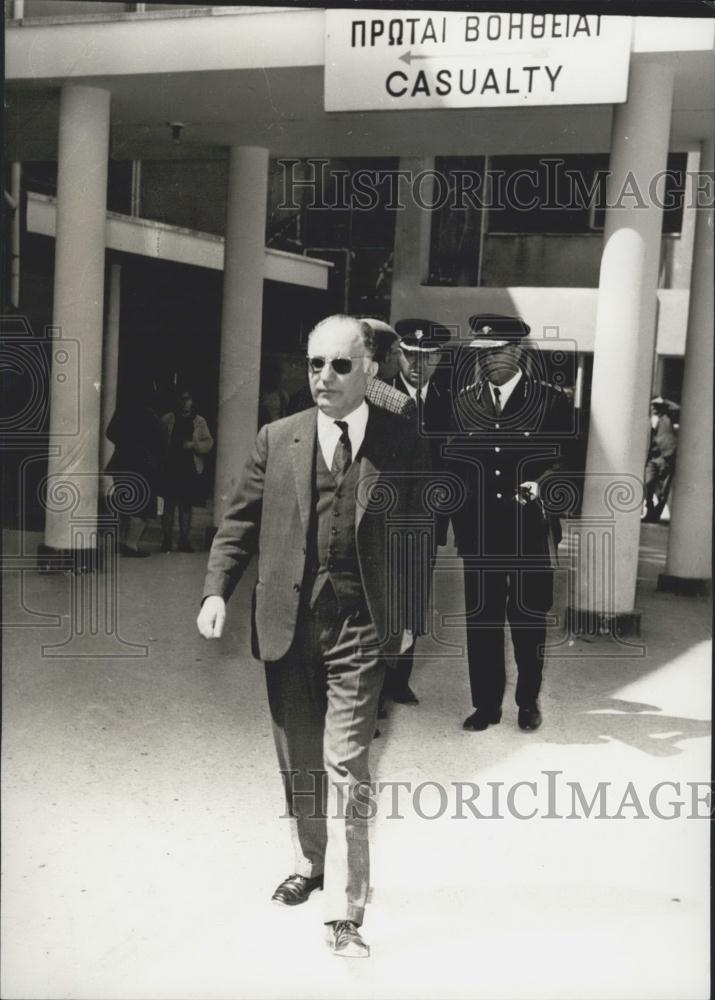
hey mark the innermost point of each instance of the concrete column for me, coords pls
(15, 236)
(78, 313)
(604, 581)
(689, 563)
(410, 262)
(241, 319)
(135, 204)
(682, 263)
(110, 361)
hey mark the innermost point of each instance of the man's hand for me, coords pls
(212, 617)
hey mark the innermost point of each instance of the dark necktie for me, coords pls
(497, 400)
(343, 455)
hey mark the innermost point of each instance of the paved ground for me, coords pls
(140, 833)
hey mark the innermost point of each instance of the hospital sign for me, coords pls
(381, 60)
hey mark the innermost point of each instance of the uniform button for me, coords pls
(333, 531)
(497, 448)
(336, 512)
(497, 472)
(497, 426)
(526, 434)
(499, 496)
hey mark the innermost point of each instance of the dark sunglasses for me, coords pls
(341, 366)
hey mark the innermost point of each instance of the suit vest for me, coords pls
(332, 553)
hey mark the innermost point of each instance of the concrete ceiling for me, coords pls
(282, 108)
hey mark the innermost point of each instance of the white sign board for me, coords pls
(378, 60)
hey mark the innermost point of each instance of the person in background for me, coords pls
(513, 430)
(420, 355)
(661, 460)
(381, 390)
(183, 484)
(140, 449)
(387, 348)
(419, 352)
(273, 399)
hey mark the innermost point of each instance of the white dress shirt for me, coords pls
(413, 391)
(505, 390)
(329, 432)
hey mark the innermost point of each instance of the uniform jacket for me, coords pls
(271, 514)
(436, 410)
(530, 440)
(435, 413)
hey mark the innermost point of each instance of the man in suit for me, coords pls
(379, 389)
(421, 344)
(321, 500)
(512, 431)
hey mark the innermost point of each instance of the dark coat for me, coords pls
(141, 445)
(531, 440)
(140, 442)
(271, 514)
(434, 414)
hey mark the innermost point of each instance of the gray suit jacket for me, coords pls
(271, 513)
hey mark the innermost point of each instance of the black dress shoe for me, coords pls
(529, 717)
(481, 718)
(405, 696)
(344, 940)
(296, 889)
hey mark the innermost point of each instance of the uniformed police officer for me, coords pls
(512, 430)
(421, 349)
(422, 343)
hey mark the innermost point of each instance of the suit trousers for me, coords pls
(323, 698)
(523, 596)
